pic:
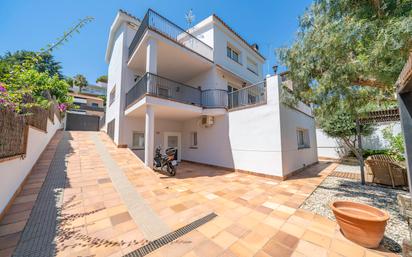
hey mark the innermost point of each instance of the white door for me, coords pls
(173, 139)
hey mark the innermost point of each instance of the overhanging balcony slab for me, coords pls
(173, 60)
(163, 108)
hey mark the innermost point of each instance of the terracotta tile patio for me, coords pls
(256, 216)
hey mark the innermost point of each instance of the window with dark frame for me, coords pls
(232, 54)
(302, 138)
(112, 95)
(252, 66)
(193, 140)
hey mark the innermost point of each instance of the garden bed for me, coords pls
(334, 188)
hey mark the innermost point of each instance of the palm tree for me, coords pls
(80, 81)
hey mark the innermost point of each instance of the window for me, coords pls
(193, 140)
(233, 54)
(302, 138)
(112, 95)
(95, 104)
(252, 66)
(110, 128)
(138, 140)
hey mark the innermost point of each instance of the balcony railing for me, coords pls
(214, 98)
(247, 96)
(154, 85)
(158, 86)
(154, 21)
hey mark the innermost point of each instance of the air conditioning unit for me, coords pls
(208, 121)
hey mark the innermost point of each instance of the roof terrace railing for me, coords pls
(154, 21)
(248, 96)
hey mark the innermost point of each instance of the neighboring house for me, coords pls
(88, 104)
(95, 90)
(203, 92)
(99, 89)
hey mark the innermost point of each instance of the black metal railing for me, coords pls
(158, 86)
(250, 95)
(89, 107)
(214, 98)
(137, 91)
(155, 85)
(154, 21)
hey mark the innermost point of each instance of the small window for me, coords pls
(138, 140)
(233, 54)
(95, 105)
(252, 66)
(193, 140)
(112, 95)
(303, 138)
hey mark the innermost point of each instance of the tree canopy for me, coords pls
(102, 78)
(346, 59)
(80, 81)
(349, 50)
(29, 78)
(46, 62)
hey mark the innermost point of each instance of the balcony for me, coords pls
(155, 22)
(154, 85)
(158, 86)
(248, 96)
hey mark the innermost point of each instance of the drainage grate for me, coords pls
(156, 244)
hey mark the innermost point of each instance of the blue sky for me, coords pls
(32, 24)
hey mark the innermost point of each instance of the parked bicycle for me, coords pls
(168, 161)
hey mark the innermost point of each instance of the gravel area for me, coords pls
(382, 197)
(348, 168)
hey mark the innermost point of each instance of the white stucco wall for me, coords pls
(329, 147)
(259, 139)
(121, 77)
(14, 171)
(213, 143)
(221, 37)
(294, 158)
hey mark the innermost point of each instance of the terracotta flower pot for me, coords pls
(360, 223)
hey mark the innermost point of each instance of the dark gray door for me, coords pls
(82, 122)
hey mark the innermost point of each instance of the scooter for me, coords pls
(169, 160)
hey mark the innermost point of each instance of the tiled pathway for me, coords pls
(147, 220)
(37, 238)
(256, 216)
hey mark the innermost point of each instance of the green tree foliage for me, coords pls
(102, 78)
(396, 143)
(27, 81)
(46, 62)
(347, 57)
(340, 124)
(80, 81)
(343, 45)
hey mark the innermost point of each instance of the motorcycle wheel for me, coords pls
(171, 169)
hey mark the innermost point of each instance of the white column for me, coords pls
(149, 137)
(151, 63)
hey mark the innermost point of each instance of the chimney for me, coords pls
(255, 46)
(275, 69)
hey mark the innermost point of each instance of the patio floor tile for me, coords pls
(256, 216)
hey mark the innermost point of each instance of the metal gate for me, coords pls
(82, 122)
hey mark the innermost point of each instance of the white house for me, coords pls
(202, 91)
